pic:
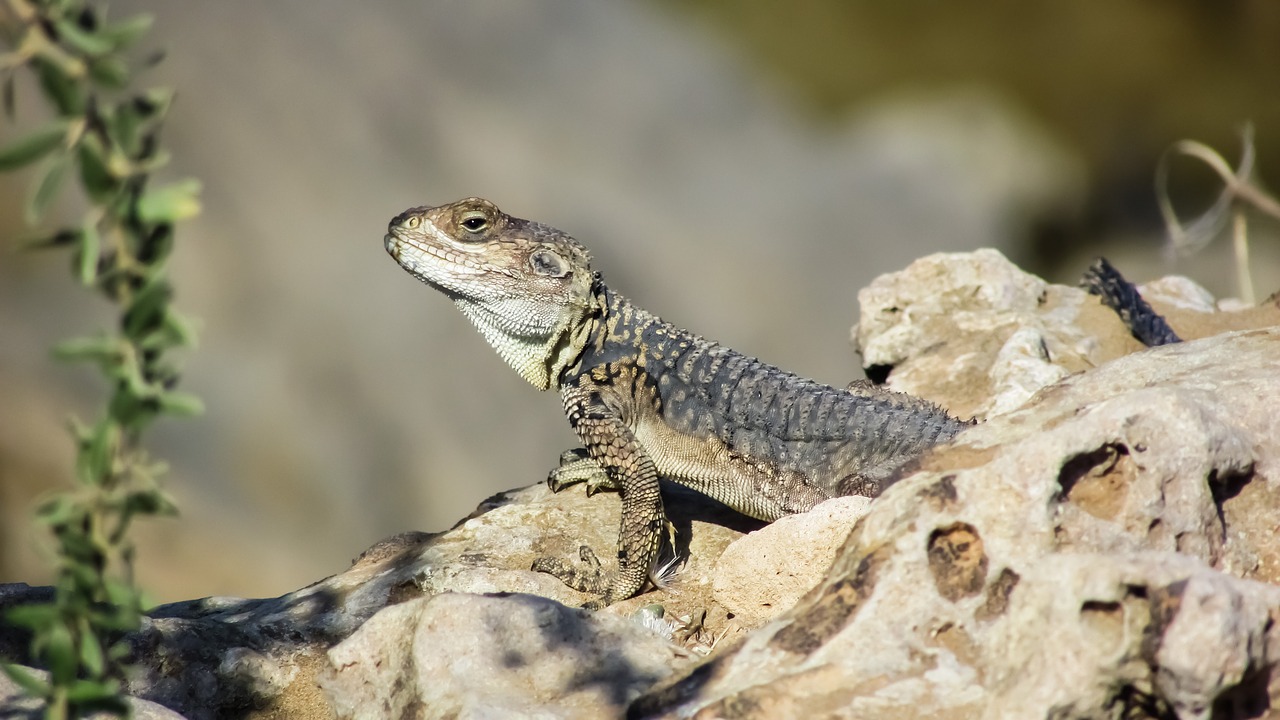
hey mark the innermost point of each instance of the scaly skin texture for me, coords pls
(648, 399)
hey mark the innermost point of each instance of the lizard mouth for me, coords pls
(441, 268)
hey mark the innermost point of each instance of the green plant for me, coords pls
(109, 135)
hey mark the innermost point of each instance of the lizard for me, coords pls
(648, 399)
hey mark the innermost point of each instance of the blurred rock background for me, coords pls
(739, 168)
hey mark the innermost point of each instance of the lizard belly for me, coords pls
(752, 486)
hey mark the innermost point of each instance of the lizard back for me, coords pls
(719, 420)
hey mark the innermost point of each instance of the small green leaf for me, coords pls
(149, 502)
(60, 652)
(89, 253)
(32, 617)
(100, 348)
(120, 594)
(159, 158)
(10, 97)
(91, 655)
(123, 125)
(182, 404)
(174, 331)
(59, 510)
(34, 146)
(183, 331)
(126, 32)
(146, 310)
(94, 462)
(47, 189)
(95, 693)
(30, 683)
(89, 43)
(109, 71)
(170, 203)
(66, 91)
(153, 103)
(94, 175)
(156, 245)
(86, 558)
(127, 406)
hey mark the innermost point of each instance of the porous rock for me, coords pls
(1076, 558)
(975, 332)
(764, 573)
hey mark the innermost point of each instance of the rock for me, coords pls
(472, 656)
(764, 573)
(262, 658)
(15, 706)
(976, 333)
(1078, 558)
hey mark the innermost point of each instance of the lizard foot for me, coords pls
(575, 467)
(587, 576)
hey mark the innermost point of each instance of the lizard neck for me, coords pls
(613, 333)
(540, 356)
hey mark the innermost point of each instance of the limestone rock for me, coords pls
(1078, 558)
(975, 332)
(262, 657)
(765, 573)
(469, 656)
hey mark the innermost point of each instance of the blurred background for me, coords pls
(741, 169)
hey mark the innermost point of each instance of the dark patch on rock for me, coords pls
(1104, 618)
(1097, 482)
(407, 590)
(1247, 700)
(1134, 702)
(1224, 486)
(957, 561)
(680, 692)
(878, 374)
(941, 494)
(835, 607)
(392, 546)
(998, 592)
(1163, 604)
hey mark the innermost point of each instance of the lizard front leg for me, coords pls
(576, 466)
(612, 446)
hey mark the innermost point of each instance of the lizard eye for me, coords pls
(413, 222)
(549, 264)
(475, 222)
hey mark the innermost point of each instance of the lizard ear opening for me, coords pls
(548, 264)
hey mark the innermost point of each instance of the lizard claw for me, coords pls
(576, 467)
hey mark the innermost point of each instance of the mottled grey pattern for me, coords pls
(836, 441)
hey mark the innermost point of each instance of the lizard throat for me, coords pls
(537, 352)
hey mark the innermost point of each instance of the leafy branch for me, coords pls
(110, 136)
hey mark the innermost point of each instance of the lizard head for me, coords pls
(526, 286)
